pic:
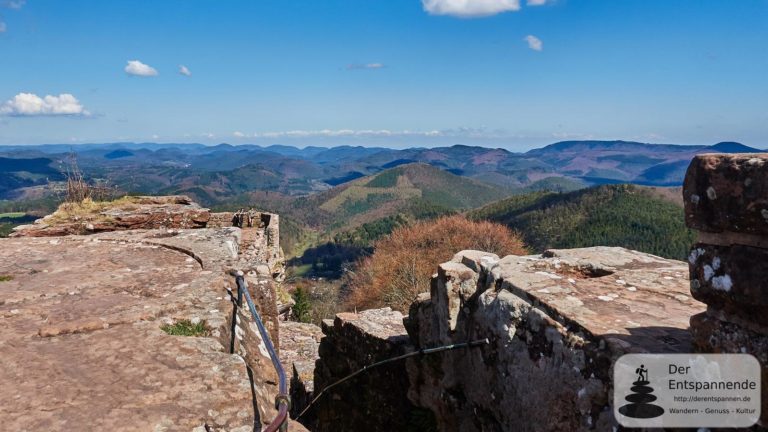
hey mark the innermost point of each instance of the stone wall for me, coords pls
(726, 200)
(261, 238)
(375, 400)
(299, 344)
(555, 322)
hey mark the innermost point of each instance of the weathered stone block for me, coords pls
(375, 400)
(732, 279)
(727, 192)
(711, 335)
(556, 323)
(454, 285)
(299, 344)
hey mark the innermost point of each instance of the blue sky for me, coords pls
(400, 73)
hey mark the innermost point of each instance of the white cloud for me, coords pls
(298, 134)
(536, 2)
(534, 43)
(15, 4)
(30, 104)
(366, 66)
(363, 133)
(138, 68)
(319, 133)
(10, 4)
(573, 136)
(470, 8)
(184, 70)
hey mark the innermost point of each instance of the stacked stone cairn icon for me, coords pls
(726, 201)
(640, 399)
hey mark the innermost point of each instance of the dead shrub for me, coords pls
(78, 189)
(402, 264)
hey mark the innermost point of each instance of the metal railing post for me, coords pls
(282, 400)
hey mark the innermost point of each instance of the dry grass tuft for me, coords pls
(87, 209)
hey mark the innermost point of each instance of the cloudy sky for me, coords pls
(507, 73)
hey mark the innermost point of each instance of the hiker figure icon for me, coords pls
(642, 374)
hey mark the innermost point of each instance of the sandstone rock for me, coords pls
(86, 334)
(375, 400)
(732, 279)
(263, 270)
(556, 323)
(711, 335)
(89, 321)
(299, 343)
(727, 200)
(727, 193)
(124, 214)
(475, 259)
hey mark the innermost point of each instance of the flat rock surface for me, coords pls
(383, 324)
(81, 339)
(639, 298)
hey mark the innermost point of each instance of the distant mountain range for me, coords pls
(216, 174)
(358, 194)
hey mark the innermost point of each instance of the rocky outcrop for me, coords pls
(82, 334)
(727, 193)
(89, 324)
(726, 200)
(555, 322)
(127, 213)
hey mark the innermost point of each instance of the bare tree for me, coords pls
(77, 188)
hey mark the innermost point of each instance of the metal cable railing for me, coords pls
(423, 351)
(282, 400)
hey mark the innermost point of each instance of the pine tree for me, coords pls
(303, 306)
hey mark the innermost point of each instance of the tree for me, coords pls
(402, 263)
(303, 306)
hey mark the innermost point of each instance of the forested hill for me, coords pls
(613, 215)
(412, 189)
